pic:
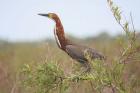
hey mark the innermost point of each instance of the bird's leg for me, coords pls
(88, 67)
(87, 70)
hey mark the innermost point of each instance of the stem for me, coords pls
(92, 86)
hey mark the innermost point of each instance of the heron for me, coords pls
(75, 51)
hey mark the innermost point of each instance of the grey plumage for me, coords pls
(77, 52)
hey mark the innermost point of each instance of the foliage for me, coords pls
(44, 78)
(132, 46)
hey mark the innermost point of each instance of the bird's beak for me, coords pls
(44, 15)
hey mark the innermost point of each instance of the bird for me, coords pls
(75, 51)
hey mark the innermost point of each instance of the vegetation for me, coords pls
(47, 69)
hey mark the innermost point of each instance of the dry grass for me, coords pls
(14, 55)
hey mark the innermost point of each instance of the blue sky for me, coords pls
(19, 20)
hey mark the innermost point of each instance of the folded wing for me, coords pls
(78, 53)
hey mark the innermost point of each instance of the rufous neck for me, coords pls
(60, 38)
(59, 24)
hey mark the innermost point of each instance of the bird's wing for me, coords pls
(76, 53)
(94, 54)
(79, 52)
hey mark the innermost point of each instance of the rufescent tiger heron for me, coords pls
(75, 51)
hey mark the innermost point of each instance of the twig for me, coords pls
(92, 86)
(113, 88)
(134, 31)
(13, 88)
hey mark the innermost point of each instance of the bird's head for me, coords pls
(52, 16)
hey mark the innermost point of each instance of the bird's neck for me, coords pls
(60, 35)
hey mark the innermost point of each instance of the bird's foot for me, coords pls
(88, 70)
